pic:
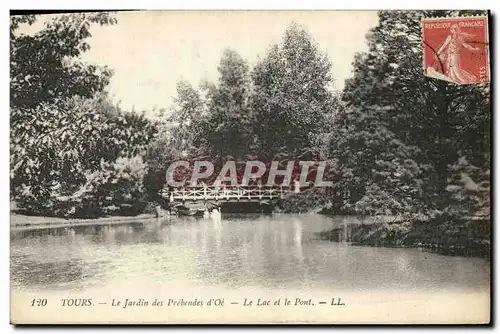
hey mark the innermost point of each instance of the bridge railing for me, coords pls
(252, 192)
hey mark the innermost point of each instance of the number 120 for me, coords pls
(39, 302)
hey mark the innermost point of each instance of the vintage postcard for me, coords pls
(250, 167)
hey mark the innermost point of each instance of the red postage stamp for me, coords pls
(456, 49)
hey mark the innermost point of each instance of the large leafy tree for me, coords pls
(292, 93)
(228, 127)
(402, 130)
(70, 145)
(45, 66)
(56, 148)
(188, 118)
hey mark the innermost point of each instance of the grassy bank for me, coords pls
(444, 236)
(20, 221)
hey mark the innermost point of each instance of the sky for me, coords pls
(150, 52)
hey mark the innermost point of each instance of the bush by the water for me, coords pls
(312, 199)
(77, 148)
(444, 234)
(116, 188)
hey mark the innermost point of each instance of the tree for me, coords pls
(44, 67)
(469, 188)
(379, 171)
(398, 119)
(73, 152)
(187, 133)
(292, 93)
(56, 147)
(229, 124)
(213, 122)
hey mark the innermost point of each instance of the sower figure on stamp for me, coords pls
(448, 57)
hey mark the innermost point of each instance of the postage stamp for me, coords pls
(456, 49)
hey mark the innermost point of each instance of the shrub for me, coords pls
(77, 148)
(117, 188)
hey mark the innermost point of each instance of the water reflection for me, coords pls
(235, 251)
(60, 273)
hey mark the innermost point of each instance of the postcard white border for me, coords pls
(189, 4)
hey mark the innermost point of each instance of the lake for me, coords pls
(259, 253)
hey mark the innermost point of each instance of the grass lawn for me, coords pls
(18, 220)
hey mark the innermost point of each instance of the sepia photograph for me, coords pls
(250, 167)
